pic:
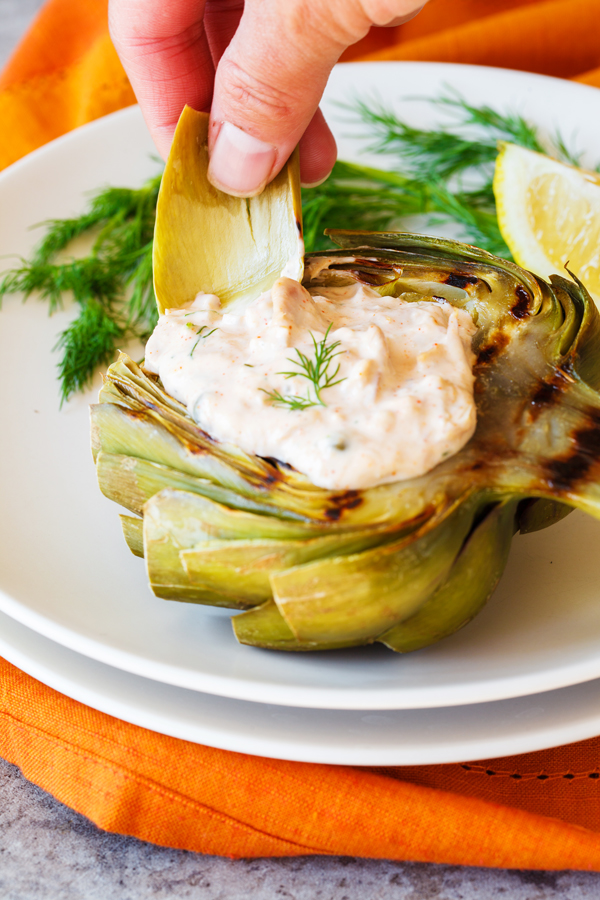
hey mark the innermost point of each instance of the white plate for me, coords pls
(65, 571)
(341, 737)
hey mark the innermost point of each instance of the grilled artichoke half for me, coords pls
(407, 563)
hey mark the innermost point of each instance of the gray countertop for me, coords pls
(49, 852)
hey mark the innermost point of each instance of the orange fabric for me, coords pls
(539, 810)
(65, 73)
(592, 78)
(436, 16)
(562, 782)
(552, 37)
(171, 792)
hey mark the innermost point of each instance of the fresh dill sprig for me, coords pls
(442, 152)
(201, 335)
(355, 197)
(83, 278)
(444, 173)
(112, 284)
(361, 198)
(88, 342)
(501, 126)
(479, 223)
(315, 370)
(292, 401)
(438, 153)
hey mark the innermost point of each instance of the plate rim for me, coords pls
(119, 700)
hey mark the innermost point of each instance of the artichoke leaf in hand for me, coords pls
(207, 241)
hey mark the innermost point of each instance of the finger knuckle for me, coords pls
(248, 94)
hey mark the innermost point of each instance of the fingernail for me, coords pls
(314, 184)
(239, 163)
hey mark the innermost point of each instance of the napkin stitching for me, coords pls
(541, 775)
(133, 751)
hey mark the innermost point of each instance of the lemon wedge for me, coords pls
(549, 214)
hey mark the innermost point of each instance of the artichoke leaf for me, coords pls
(131, 482)
(360, 596)
(238, 567)
(244, 567)
(535, 515)
(176, 521)
(265, 627)
(133, 532)
(137, 429)
(130, 431)
(470, 583)
(208, 241)
(167, 531)
(189, 513)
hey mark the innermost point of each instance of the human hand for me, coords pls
(260, 67)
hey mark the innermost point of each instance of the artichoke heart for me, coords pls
(405, 563)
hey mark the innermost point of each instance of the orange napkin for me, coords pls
(179, 794)
(553, 37)
(65, 73)
(538, 810)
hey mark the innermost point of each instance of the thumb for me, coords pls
(269, 82)
(267, 89)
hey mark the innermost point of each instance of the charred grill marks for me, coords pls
(133, 413)
(565, 472)
(547, 393)
(341, 502)
(275, 463)
(488, 353)
(455, 279)
(520, 310)
(273, 475)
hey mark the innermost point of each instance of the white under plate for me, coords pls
(341, 737)
(65, 571)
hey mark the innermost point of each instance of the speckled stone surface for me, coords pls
(49, 852)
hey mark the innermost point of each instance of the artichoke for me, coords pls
(406, 563)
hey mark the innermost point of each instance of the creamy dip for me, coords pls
(405, 398)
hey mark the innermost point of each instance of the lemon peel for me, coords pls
(549, 214)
